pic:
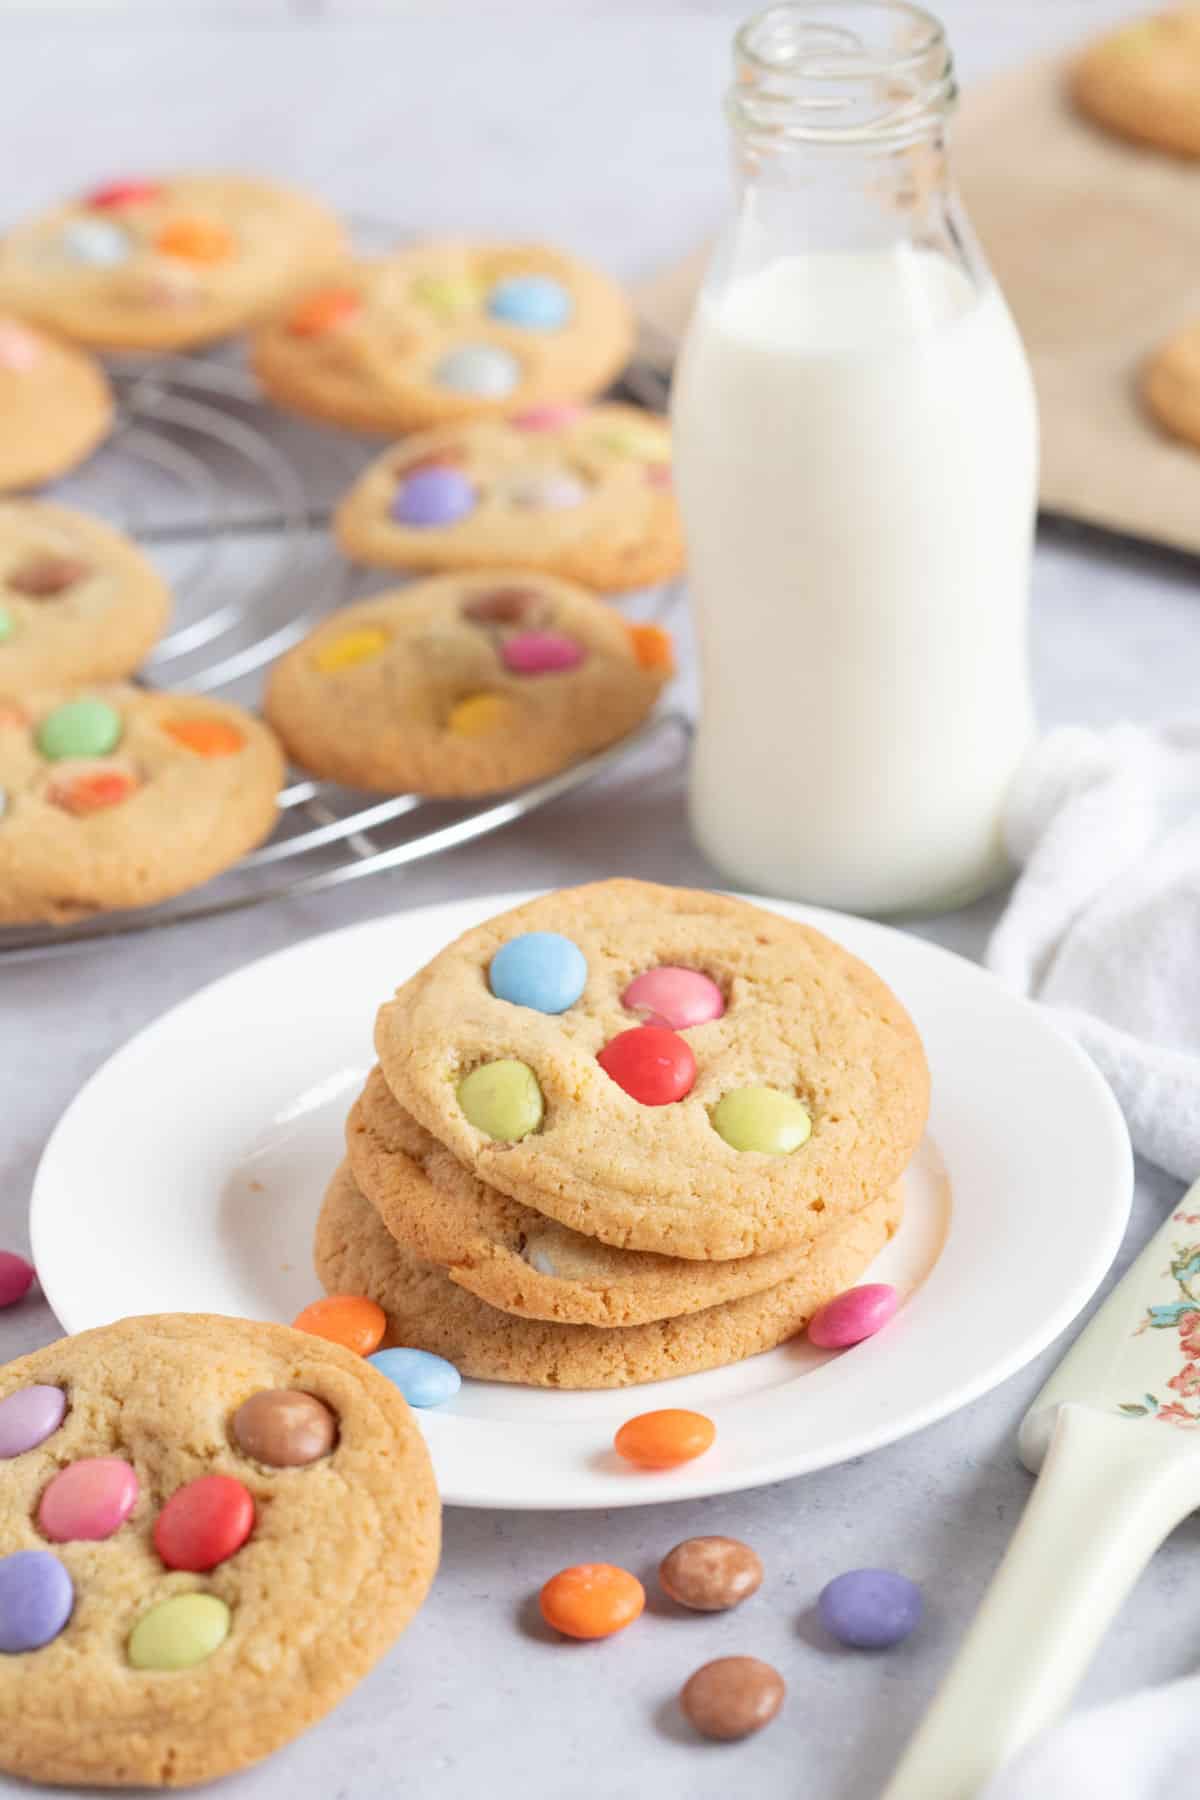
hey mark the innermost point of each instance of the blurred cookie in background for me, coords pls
(1142, 81)
(1171, 384)
(55, 406)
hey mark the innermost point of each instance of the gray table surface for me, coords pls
(599, 126)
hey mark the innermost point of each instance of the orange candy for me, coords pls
(196, 240)
(206, 737)
(661, 1440)
(591, 1600)
(347, 1319)
(90, 791)
(322, 311)
(652, 646)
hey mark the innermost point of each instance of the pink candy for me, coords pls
(850, 1317)
(16, 1277)
(546, 418)
(674, 997)
(541, 653)
(88, 1499)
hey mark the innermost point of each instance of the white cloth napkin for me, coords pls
(1142, 1748)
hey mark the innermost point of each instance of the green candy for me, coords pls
(80, 728)
(761, 1118)
(6, 624)
(502, 1099)
(179, 1633)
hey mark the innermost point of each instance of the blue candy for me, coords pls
(423, 1378)
(540, 970)
(534, 301)
(870, 1609)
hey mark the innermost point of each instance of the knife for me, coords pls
(1115, 1434)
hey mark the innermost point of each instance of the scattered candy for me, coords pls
(502, 1099)
(16, 1277)
(204, 1522)
(206, 737)
(710, 1574)
(437, 495)
(763, 1119)
(28, 1417)
(536, 302)
(89, 1500)
(546, 418)
(653, 647)
(79, 728)
(85, 788)
(540, 969)
(592, 1600)
(36, 1598)
(664, 1439)
(677, 998)
(351, 648)
(179, 1633)
(541, 653)
(870, 1609)
(850, 1317)
(6, 624)
(284, 1428)
(95, 241)
(44, 577)
(479, 714)
(122, 193)
(478, 369)
(548, 493)
(324, 311)
(732, 1697)
(423, 1378)
(351, 1320)
(506, 606)
(447, 296)
(203, 241)
(19, 349)
(653, 1065)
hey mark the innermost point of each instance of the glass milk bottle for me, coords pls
(856, 459)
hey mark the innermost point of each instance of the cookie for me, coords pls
(116, 796)
(355, 1253)
(777, 1085)
(164, 262)
(446, 331)
(55, 406)
(210, 1530)
(78, 600)
(1142, 81)
(464, 684)
(1171, 385)
(582, 492)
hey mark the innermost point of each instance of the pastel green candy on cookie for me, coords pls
(6, 624)
(180, 1632)
(502, 1099)
(763, 1119)
(80, 728)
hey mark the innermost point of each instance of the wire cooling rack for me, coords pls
(237, 518)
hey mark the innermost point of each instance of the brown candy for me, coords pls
(284, 1428)
(45, 576)
(732, 1697)
(710, 1574)
(506, 606)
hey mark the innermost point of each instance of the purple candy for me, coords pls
(436, 496)
(28, 1417)
(36, 1597)
(16, 1277)
(870, 1609)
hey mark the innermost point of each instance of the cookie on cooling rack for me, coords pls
(446, 331)
(464, 684)
(164, 262)
(579, 491)
(210, 1530)
(78, 600)
(116, 796)
(55, 406)
(1171, 385)
(1142, 81)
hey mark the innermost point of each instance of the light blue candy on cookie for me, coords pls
(423, 1378)
(539, 969)
(535, 302)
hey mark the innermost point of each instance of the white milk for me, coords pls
(855, 452)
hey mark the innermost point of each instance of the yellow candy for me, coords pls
(480, 713)
(623, 442)
(446, 295)
(179, 1632)
(355, 647)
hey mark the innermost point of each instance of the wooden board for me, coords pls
(1097, 246)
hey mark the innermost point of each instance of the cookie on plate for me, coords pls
(446, 331)
(1171, 385)
(579, 491)
(355, 1253)
(78, 600)
(162, 262)
(116, 796)
(464, 684)
(1142, 81)
(209, 1532)
(662, 1069)
(55, 406)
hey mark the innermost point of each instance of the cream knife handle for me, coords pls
(1109, 1492)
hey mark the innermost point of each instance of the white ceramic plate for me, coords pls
(187, 1175)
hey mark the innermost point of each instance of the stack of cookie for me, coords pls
(622, 1133)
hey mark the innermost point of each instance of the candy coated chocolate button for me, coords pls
(665, 1438)
(84, 788)
(732, 1697)
(97, 242)
(36, 1597)
(478, 369)
(206, 737)
(284, 1428)
(352, 1320)
(6, 624)
(479, 714)
(548, 493)
(592, 1600)
(323, 311)
(204, 1522)
(446, 296)
(546, 418)
(710, 1574)
(423, 1378)
(653, 1065)
(674, 997)
(433, 496)
(870, 1609)
(653, 647)
(122, 193)
(180, 1632)
(850, 1317)
(80, 728)
(536, 302)
(351, 648)
(502, 1099)
(761, 1118)
(28, 1417)
(196, 240)
(541, 653)
(43, 577)
(539, 969)
(89, 1499)
(19, 350)
(505, 606)
(16, 1277)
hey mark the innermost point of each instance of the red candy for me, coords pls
(123, 193)
(652, 1064)
(16, 1277)
(203, 1523)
